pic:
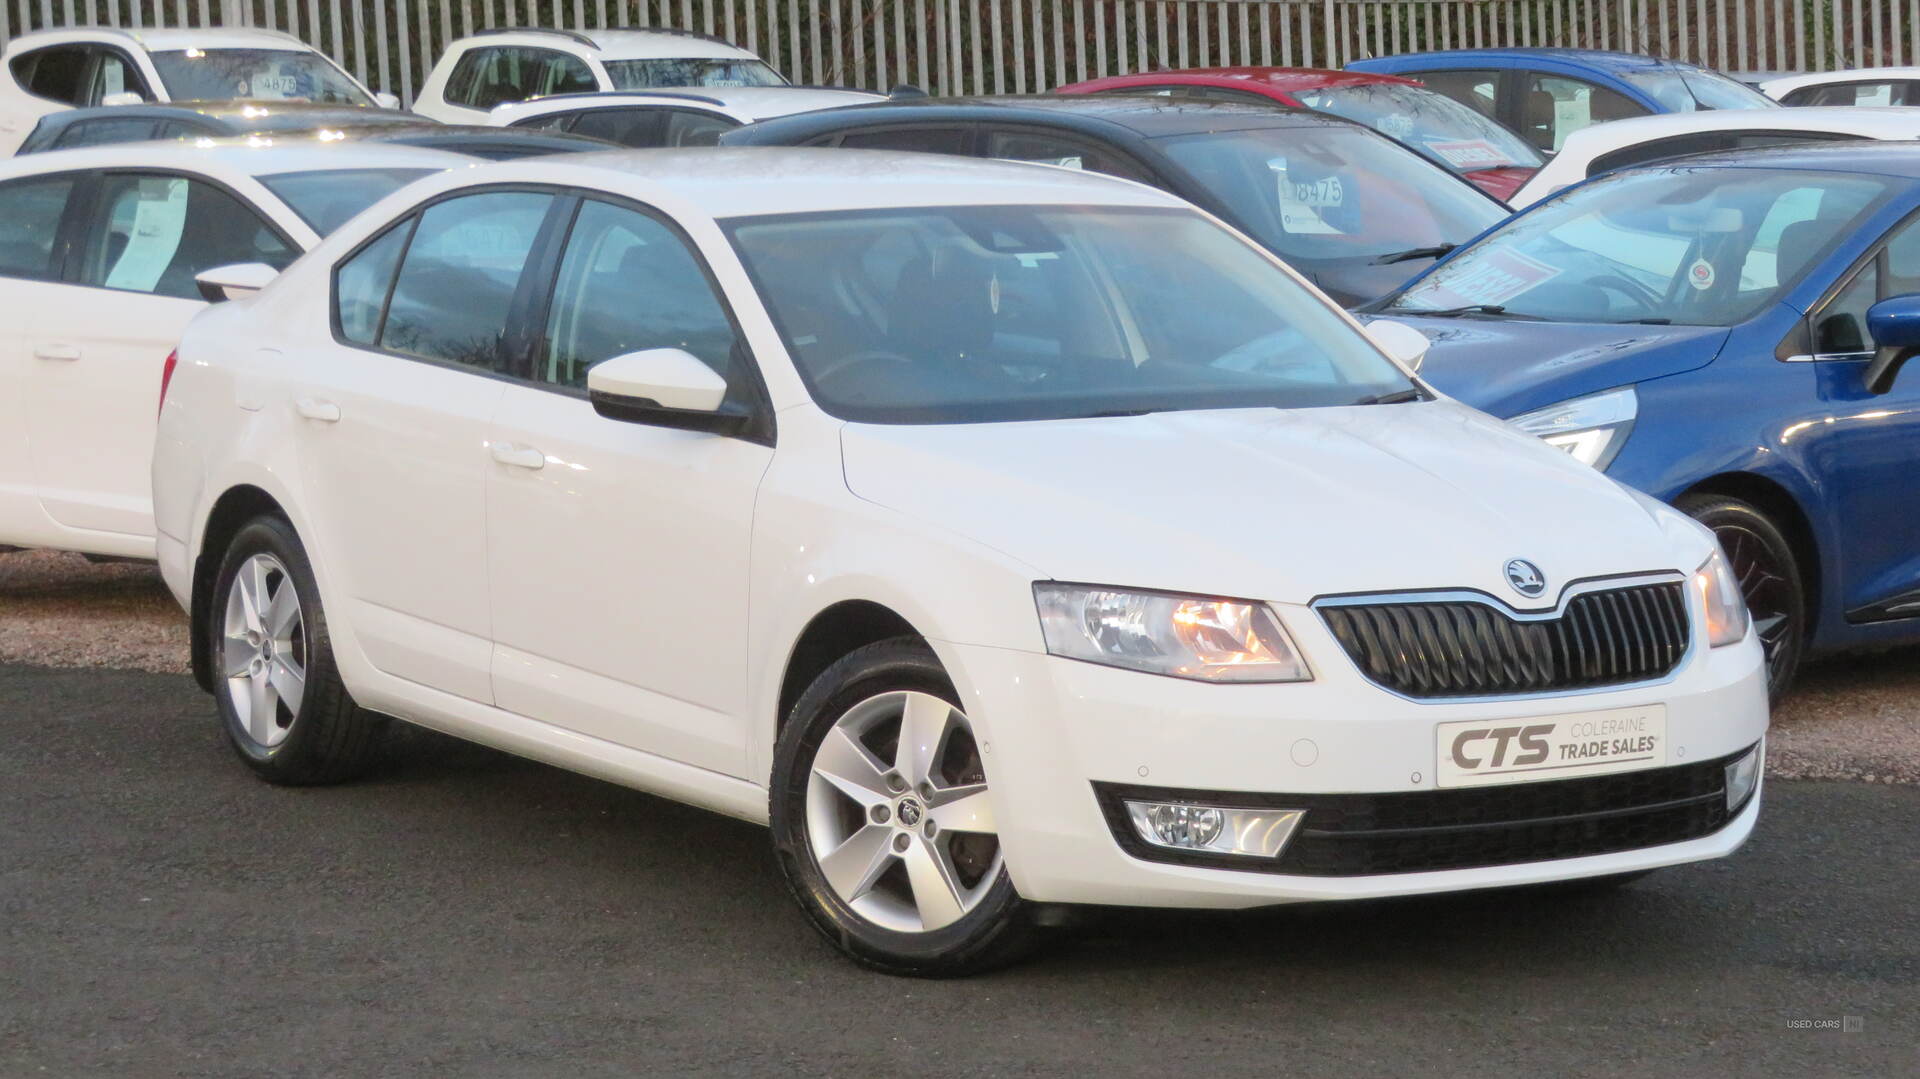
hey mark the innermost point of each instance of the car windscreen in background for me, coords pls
(1434, 124)
(259, 74)
(690, 71)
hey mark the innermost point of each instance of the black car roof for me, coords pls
(1141, 115)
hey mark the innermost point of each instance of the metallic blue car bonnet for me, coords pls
(1509, 367)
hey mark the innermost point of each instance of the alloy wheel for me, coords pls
(1769, 594)
(897, 813)
(264, 650)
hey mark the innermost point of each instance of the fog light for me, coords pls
(1742, 775)
(1258, 833)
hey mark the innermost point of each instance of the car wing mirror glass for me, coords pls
(1399, 340)
(1894, 324)
(233, 281)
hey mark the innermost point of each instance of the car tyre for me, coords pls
(880, 822)
(282, 704)
(1770, 579)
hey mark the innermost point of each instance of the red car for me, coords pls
(1494, 158)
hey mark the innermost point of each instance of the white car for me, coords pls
(999, 534)
(672, 117)
(1861, 86)
(1642, 139)
(49, 70)
(99, 254)
(509, 64)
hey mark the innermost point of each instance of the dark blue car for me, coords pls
(1547, 94)
(1724, 332)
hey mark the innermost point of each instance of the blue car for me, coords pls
(1548, 94)
(1724, 332)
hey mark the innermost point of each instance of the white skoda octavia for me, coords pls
(1000, 535)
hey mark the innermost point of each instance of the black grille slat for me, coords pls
(1468, 648)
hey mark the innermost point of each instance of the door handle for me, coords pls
(53, 350)
(517, 456)
(314, 409)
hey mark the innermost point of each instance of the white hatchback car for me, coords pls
(1641, 140)
(100, 251)
(672, 117)
(49, 70)
(1000, 534)
(1860, 86)
(516, 63)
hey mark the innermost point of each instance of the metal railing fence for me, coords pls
(1021, 46)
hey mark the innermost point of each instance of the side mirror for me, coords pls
(663, 387)
(386, 100)
(1399, 340)
(1894, 324)
(234, 281)
(124, 97)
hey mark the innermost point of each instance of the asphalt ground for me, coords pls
(466, 913)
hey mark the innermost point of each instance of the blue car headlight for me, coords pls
(1591, 429)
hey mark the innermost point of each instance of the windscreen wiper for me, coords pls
(1398, 397)
(1412, 253)
(1455, 312)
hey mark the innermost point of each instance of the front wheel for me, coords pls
(882, 824)
(1770, 580)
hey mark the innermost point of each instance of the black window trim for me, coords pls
(527, 321)
(98, 178)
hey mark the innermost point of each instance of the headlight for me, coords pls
(1200, 637)
(1591, 428)
(1720, 595)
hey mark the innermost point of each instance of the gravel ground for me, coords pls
(1856, 717)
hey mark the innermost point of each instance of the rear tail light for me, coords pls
(166, 377)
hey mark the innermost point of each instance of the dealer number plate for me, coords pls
(1480, 752)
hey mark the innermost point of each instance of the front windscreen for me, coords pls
(260, 74)
(327, 198)
(1434, 124)
(1682, 89)
(1691, 246)
(1329, 195)
(989, 313)
(691, 71)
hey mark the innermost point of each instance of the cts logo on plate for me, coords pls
(1526, 578)
(1477, 752)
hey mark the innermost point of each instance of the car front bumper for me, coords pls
(1055, 732)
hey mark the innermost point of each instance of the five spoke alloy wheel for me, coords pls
(898, 817)
(264, 650)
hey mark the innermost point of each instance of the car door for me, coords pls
(1865, 448)
(618, 551)
(100, 343)
(32, 246)
(394, 415)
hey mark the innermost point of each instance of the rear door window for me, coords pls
(628, 127)
(104, 132)
(1478, 90)
(1047, 148)
(457, 285)
(30, 212)
(932, 140)
(153, 233)
(691, 127)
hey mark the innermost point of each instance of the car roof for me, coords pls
(1823, 78)
(749, 102)
(1277, 78)
(1595, 58)
(1143, 115)
(1889, 122)
(1901, 159)
(252, 157)
(728, 182)
(619, 43)
(167, 39)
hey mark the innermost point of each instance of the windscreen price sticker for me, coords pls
(1494, 277)
(1324, 192)
(1468, 153)
(1477, 753)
